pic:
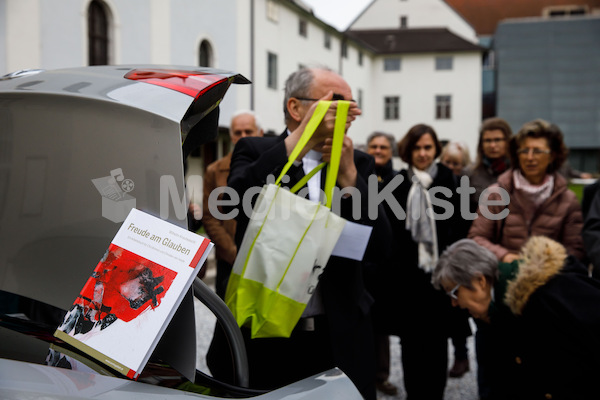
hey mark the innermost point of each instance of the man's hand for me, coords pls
(325, 128)
(347, 174)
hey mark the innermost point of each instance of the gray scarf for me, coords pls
(418, 222)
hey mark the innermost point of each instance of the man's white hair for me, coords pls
(247, 112)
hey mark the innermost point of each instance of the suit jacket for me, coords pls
(221, 232)
(345, 299)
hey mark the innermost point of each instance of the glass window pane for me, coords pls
(97, 34)
(272, 70)
(443, 63)
(443, 107)
(392, 107)
(391, 64)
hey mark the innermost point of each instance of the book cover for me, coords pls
(134, 291)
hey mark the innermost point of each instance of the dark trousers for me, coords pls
(482, 350)
(382, 357)
(460, 330)
(223, 272)
(425, 365)
(460, 348)
(276, 362)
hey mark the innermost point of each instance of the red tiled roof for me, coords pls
(484, 15)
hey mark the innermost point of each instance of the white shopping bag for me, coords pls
(286, 246)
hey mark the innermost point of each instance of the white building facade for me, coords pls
(413, 14)
(266, 40)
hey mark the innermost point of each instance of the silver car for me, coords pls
(63, 135)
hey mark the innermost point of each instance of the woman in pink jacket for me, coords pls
(540, 202)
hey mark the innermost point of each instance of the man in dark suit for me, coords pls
(335, 330)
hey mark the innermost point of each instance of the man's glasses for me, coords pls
(452, 293)
(494, 140)
(375, 147)
(536, 152)
(334, 98)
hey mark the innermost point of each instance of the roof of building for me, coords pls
(412, 40)
(485, 16)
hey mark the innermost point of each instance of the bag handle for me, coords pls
(336, 151)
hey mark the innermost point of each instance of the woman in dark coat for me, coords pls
(543, 317)
(419, 312)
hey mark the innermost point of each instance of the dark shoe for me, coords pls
(387, 388)
(459, 368)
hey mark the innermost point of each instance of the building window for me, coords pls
(272, 70)
(205, 55)
(578, 11)
(303, 28)
(327, 40)
(360, 58)
(392, 107)
(272, 10)
(359, 99)
(344, 49)
(564, 10)
(391, 64)
(443, 107)
(97, 34)
(489, 60)
(403, 21)
(443, 63)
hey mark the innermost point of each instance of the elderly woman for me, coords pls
(455, 155)
(542, 312)
(381, 146)
(418, 313)
(540, 202)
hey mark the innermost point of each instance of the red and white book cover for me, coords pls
(131, 296)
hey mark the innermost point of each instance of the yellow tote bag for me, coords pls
(287, 244)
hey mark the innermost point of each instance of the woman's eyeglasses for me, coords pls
(535, 151)
(452, 293)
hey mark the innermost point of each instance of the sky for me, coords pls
(337, 13)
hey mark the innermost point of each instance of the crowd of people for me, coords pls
(519, 269)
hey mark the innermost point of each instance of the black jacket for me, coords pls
(556, 302)
(545, 325)
(347, 303)
(411, 294)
